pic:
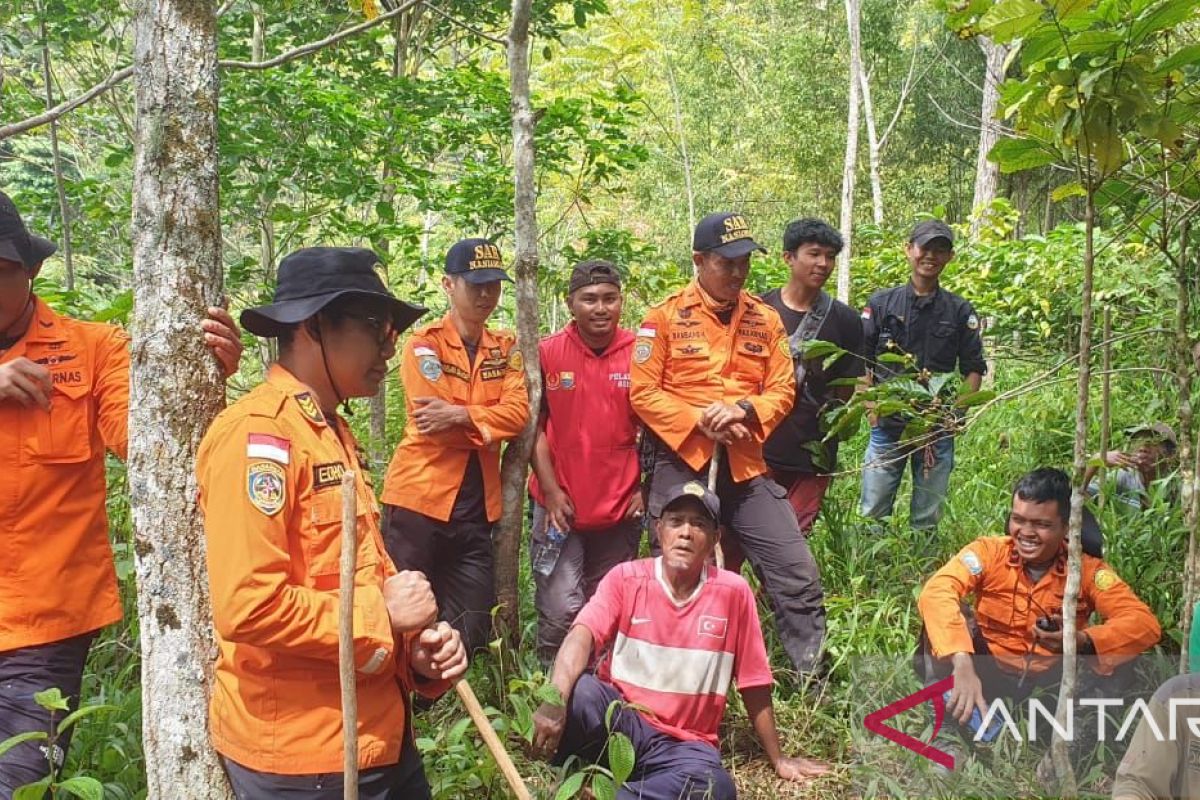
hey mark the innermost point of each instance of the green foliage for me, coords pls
(81, 786)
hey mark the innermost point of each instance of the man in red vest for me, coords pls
(588, 511)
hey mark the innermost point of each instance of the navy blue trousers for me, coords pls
(665, 768)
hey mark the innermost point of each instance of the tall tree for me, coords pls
(175, 389)
(516, 458)
(987, 171)
(850, 165)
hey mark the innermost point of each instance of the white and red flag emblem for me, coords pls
(264, 445)
(713, 626)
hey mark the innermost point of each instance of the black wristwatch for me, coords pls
(748, 407)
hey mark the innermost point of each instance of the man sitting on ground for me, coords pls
(673, 630)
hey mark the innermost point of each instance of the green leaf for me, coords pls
(815, 348)
(1166, 14)
(33, 791)
(1064, 9)
(1183, 57)
(1018, 155)
(385, 211)
(83, 787)
(580, 15)
(621, 757)
(892, 358)
(972, 399)
(1072, 189)
(1093, 41)
(603, 787)
(1045, 42)
(548, 693)
(80, 713)
(29, 736)
(570, 787)
(51, 699)
(1009, 19)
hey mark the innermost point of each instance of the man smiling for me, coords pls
(673, 632)
(585, 481)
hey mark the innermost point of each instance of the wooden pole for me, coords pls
(714, 467)
(471, 703)
(346, 667)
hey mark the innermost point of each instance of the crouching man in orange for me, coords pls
(269, 471)
(1009, 643)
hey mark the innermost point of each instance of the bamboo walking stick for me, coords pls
(494, 745)
(346, 667)
(714, 466)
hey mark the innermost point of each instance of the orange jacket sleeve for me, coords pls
(112, 391)
(1129, 626)
(417, 384)
(941, 595)
(254, 598)
(506, 419)
(670, 419)
(779, 387)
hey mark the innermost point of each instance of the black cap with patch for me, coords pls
(926, 231)
(589, 273)
(16, 242)
(725, 233)
(314, 277)
(697, 491)
(477, 261)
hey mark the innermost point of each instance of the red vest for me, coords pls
(591, 426)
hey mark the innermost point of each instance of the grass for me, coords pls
(871, 580)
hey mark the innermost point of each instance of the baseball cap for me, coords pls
(927, 230)
(312, 278)
(725, 233)
(477, 261)
(1160, 430)
(699, 491)
(588, 273)
(16, 242)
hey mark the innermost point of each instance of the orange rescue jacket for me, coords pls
(56, 568)
(427, 469)
(1008, 605)
(685, 359)
(269, 472)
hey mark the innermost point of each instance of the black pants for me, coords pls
(24, 672)
(402, 781)
(457, 559)
(757, 515)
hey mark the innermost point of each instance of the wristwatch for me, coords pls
(748, 407)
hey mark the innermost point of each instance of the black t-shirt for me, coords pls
(786, 448)
(470, 504)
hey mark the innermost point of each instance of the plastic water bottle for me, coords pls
(546, 552)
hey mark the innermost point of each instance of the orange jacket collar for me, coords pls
(454, 338)
(694, 295)
(1060, 560)
(288, 385)
(46, 325)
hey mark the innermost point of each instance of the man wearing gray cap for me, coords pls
(936, 330)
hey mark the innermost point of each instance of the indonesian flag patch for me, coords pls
(264, 445)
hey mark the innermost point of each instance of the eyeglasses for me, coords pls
(384, 331)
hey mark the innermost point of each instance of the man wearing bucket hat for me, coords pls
(1151, 457)
(269, 471)
(64, 401)
(464, 389)
(671, 633)
(711, 365)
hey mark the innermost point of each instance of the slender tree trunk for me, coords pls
(175, 389)
(516, 457)
(1189, 475)
(63, 208)
(1066, 692)
(850, 165)
(681, 132)
(987, 173)
(873, 145)
(1105, 403)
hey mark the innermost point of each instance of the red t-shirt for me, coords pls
(675, 660)
(590, 425)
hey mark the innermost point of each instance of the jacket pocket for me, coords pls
(323, 545)
(64, 433)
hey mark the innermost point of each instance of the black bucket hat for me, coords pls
(314, 277)
(16, 242)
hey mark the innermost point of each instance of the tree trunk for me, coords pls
(873, 144)
(987, 173)
(63, 209)
(516, 457)
(1189, 492)
(850, 165)
(1066, 691)
(175, 389)
(681, 132)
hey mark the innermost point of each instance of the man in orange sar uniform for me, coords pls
(270, 470)
(64, 401)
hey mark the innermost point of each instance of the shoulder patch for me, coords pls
(265, 486)
(309, 408)
(641, 351)
(515, 360)
(424, 350)
(431, 368)
(973, 323)
(1105, 579)
(971, 561)
(647, 331)
(264, 445)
